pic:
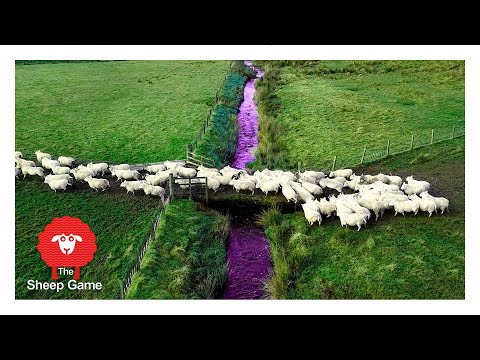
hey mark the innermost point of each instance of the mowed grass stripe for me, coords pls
(129, 111)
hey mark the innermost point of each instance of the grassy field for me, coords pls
(120, 223)
(186, 260)
(325, 108)
(125, 111)
(395, 258)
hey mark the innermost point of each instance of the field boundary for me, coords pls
(367, 156)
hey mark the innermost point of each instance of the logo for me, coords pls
(66, 242)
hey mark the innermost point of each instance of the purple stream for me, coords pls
(248, 253)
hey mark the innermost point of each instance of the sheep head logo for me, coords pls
(66, 242)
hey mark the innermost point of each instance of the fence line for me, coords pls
(143, 250)
(432, 136)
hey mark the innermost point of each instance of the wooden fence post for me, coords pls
(170, 186)
(206, 190)
(190, 187)
(363, 155)
(299, 166)
(453, 131)
(334, 162)
(411, 143)
(388, 147)
(433, 134)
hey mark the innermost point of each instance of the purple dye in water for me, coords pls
(248, 253)
(248, 263)
(248, 124)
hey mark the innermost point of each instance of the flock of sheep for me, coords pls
(375, 194)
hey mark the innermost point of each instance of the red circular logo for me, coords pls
(66, 242)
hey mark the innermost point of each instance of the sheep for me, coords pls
(331, 184)
(24, 163)
(97, 183)
(303, 193)
(394, 180)
(288, 192)
(371, 203)
(222, 179)
(340, 179)
(17, 172)
(327, 207)
(353, 182)
(171, 165)
(81, 174)
(158, 179)
(427, 205)
(268, 185)
(404, 206)
(186, 172)
(213, 184)
(154, 168)
(207, 169)
(57, 184)
(99, 167)
(59, 177)
(350, 201)
(112, 168)
(440, 202)
(92, 170)
(32, 170)
(66, 160)
(49, 164)
(131, 186)
(346, 173)
(152, 190)
(227, 170)
(352, 219)
(60, 170)
(246, 177)
(126, 174)
(415, 188)
(308, 176)
(40, 155)
(243, 185)
(184, 183)
(18, 155)
(311, 215)
(312, 188)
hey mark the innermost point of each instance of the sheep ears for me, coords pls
(56, 238)
(78, 238)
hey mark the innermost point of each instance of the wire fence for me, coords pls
(392, 147)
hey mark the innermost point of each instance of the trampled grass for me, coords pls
(186, 260)
(125, 111)
(336, 108)
(395, 258)
(120, 223)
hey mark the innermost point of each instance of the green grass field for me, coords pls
(120, 111)
(186, 260)
(395, 258)
(119, 222)
(336, 108)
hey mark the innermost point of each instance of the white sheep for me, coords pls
(395, 180)
(346, 173)
(152, 190)
(66, 160)
(288, 192)
(243, 185)
(371, 203)
(59, 177)
(222, 179)
(131, 186)
(414, 188)
(153, 169)
(327, 207)
(18, 155)
(126, 174)
(311, 215)
(32, 170)
(303, 193)
(99, 167)
(352, 219)
(213, 184)
(81, 174)
(57, 184)
(171, 165)
(207, 169)
(186, 172)
(340, 179)
(308, 176)
(427, 205)
(158, 179)
(49, 164)
(267, 186)
(312, 188)
(416, 184)
(404, 206)
(41, 155)
(112, 168)
(60, 170)
(440, 202)
(331, 184)
(353, 182)
(97, 183)
(24, 163)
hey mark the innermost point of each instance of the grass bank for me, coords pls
(187, 258)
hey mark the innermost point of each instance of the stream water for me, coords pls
(249, 263)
